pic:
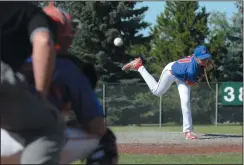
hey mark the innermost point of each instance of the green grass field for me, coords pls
(219, 158)
(225, 129)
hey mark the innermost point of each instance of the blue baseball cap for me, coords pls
(201, 52)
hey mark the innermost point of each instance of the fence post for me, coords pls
(104, 100)
(216, 105)
(160, 111)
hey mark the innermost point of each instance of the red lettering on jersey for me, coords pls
(187, 59)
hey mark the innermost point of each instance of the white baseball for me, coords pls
(118, 41)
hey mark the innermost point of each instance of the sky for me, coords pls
(156, 7)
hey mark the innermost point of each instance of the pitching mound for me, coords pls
(175, 143)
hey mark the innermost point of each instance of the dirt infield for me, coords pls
(176, 149)
(174, 143)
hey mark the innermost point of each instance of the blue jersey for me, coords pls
(83, 99)
(187, 69)
(72, 82)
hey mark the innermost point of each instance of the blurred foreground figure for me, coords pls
(72, 91)
(28, 117)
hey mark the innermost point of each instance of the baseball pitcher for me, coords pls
(185, 72)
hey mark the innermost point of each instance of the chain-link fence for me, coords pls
(134, 104)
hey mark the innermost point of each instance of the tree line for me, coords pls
(179, 28)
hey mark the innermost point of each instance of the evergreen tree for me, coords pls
(239, 5)
(180, 27)
(235, 49)
(101, 23)
(226, 46)
(220, 28)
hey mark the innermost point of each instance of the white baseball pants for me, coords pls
(161, 87)
(79, 146)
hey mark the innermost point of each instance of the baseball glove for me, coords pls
(106, 153)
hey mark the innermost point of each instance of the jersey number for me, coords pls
(185, 60)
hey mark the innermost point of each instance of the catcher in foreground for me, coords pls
(72, 92)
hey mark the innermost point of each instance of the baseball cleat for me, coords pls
(190, 135)
(133, 65)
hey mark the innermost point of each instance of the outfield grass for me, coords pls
(221, 158)
(225, 129)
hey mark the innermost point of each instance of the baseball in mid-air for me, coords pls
(118, 41)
